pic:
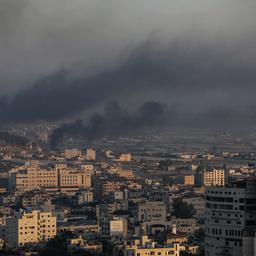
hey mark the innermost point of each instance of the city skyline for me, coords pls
(127, 128)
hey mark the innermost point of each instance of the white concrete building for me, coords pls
(230, 213)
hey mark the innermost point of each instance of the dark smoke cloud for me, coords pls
(114, 121)
(193, 75)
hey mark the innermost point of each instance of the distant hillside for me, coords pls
(12, 139)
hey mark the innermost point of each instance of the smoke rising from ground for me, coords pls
(114, 121)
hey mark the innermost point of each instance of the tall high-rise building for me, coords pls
(231, 219)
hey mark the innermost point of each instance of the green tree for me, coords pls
(57, 246)
(108, 247)
(182, 209)
(199, 234)
(185, 253)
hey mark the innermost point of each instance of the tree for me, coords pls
(185, 253)
(225, 252)
(108, 247)
(163, 164)
(199, 234)
(58, 246)
(182, 209)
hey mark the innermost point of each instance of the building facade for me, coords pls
(145, 247)
(27, 228)
(63, 179)
(215, 177)
(230, 212)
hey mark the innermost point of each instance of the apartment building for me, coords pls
(128, 174)
(188, 226)
(72, 153)
(189, 180)
(104, 187)
(87, 167)
(90, 154)
(151, 211)
(198, 204)
(145, 247)
(85, 197)
(30, 201)
(27, 228)
(114, 227)
(29, 178)
(74, 179)
(59, 178)
(230, 219)
(81, 227)
(125, 157)
(214, 177)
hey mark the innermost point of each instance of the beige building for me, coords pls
(81, 243)
(188, 226)
(30, 201)
(145, 247)
(198, 203)
(215, 177)
(189, 180)
(32, 227)
(32, 178)
(74, 179)
(80, 228)
(90, 154)
(125, 157)
(110, 186)
(60, 178)
(85, 197)
(152, 211)
(114, 227)
(71, 153)
(87, 167)
(128, 174)
(191, 249)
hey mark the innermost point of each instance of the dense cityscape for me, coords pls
(127, 127)
(129, 197)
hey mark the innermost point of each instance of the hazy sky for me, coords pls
(191, 52)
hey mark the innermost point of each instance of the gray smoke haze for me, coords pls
(60, 58)
(180, 74)
(114, 121)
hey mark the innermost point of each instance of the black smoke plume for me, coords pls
(113, 122)
(185, 73)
